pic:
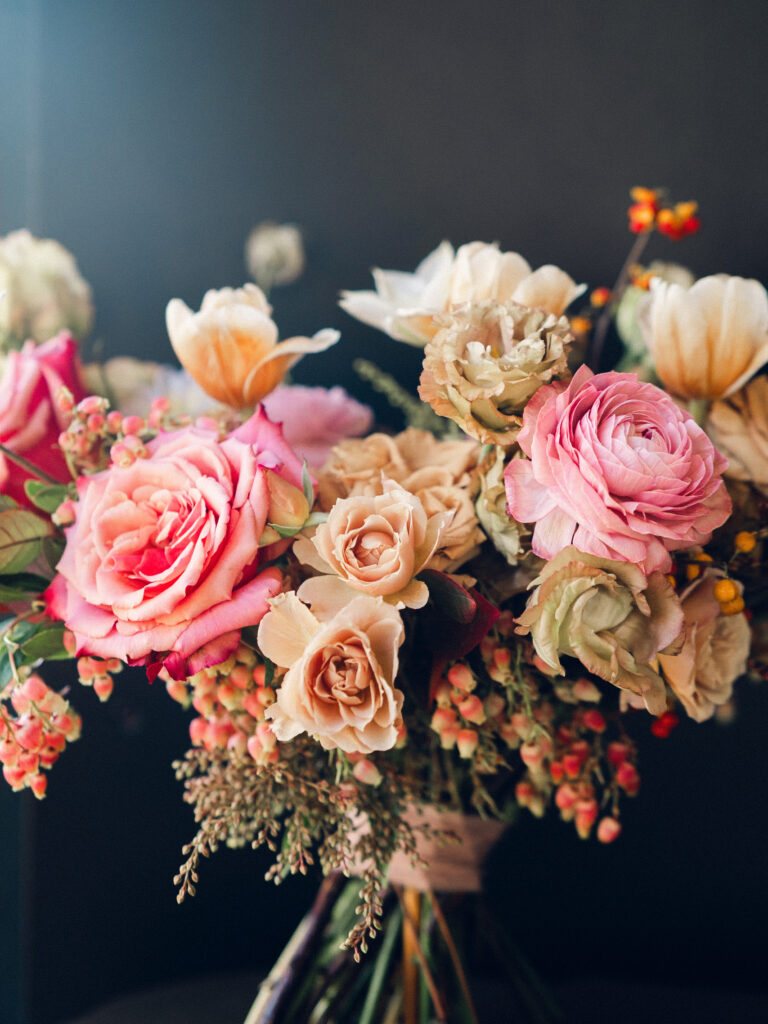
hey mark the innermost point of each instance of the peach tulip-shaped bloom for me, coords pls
(708, 340)
(405, 306)
(372, 545)
(339, 686)
(230, 346)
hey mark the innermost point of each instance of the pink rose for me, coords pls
(615, 469)
(162, 565)
(316, 419)
(30, 421)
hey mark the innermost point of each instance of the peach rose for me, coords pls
(714, 652)
(230, 346)
(373, 545)
(339, 686)
(163, 565)
(441, 474)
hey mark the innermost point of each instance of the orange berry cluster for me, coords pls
(648, 212)
(36, 723)
(230, 700)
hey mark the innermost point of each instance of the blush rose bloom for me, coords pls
(617, 469)
(30, 421)
(373, 545)
(609, 616)
(162, 566)
(315, 419)
(340, 683)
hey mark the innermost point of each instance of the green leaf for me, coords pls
(53, 549)
(7, 502)
(21, 536)
(315, 519)
(284, 532)
(45, 496)
(47, 642)
(269, 672)
(21, 585)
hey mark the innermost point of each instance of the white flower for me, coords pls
(274, 254)
(404, 306)
(41, 290)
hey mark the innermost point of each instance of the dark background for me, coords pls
(149, 137)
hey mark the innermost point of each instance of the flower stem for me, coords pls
(29, 466)
(698, 408)
(595, 350)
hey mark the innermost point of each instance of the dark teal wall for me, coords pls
(149, 136)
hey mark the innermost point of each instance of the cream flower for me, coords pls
(373, 545)
(41, 291)
(274, 254)
(339, 686)
(405, 306)
(230, 346)
(487, 361)
(738, 426)
(714, 652)
(609, 616)
(707, 341)
(134, 384)
(504, 532)
(441, 474)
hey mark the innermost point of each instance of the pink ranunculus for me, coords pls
(316, 419)
(616, 469)
(30, 421)
(162, 565)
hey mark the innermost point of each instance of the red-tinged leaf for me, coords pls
(472, 616)
(21, 536)
(448, 596)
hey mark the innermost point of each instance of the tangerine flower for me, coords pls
(230, 345)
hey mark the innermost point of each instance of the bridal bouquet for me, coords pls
(391, 643)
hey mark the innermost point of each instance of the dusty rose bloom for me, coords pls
(163, 564)
(407, 307)
(372, 544)
(739, 428)
(617, 469)
(441, 474)
(315, 419)
(714, 653)
(609, 616)
(486, 362)
(340, 683)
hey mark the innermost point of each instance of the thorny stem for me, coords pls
(411, 944)
(595, 349)
(454, 955)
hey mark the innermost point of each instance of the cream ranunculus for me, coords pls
(714, 652)
(340, 683)
(609, 616)
(708, 340)
(230, 346)
(441, 474)
(373, 545)
(274, 254)
(487, 361)
(405, 306)
(738, 427)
